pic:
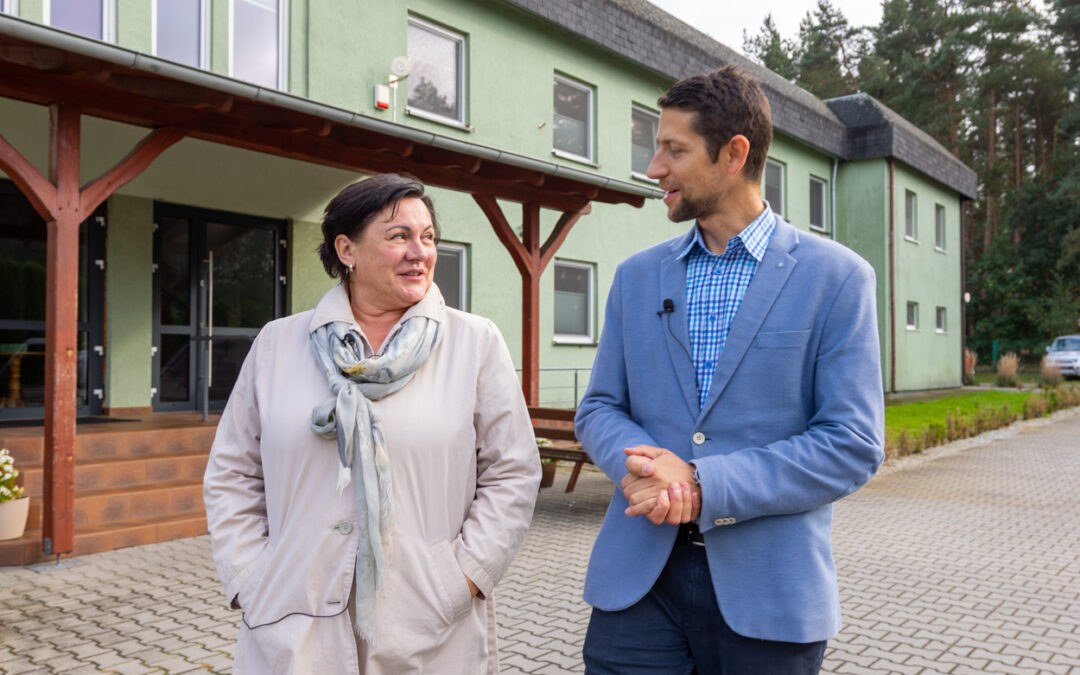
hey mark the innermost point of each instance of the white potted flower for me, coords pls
(14, 505)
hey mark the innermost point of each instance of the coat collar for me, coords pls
(334, 306)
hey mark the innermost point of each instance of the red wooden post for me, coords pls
(530, 305)
(61, 334)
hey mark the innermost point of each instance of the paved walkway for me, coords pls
(961, 562)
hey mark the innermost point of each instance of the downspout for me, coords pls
(892, 285)
(963, 296)
(832, 187)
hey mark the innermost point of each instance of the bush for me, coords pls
(1050, 373)
(970, 360)
(1007, 367)
(1036, 406)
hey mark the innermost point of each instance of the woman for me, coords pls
(375, 470)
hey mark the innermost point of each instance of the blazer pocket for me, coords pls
(453, 591)
(789, 339)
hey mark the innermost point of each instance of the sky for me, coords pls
(724, 20)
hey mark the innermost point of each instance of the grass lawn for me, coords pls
(990, 379)
(918, 415)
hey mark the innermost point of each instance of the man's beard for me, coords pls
(691, 209)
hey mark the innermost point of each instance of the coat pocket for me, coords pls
(788, 339)
(455, 600)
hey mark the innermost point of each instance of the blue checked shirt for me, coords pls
(715, 285)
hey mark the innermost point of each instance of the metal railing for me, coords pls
(562, 387)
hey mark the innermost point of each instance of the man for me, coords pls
(736, 395)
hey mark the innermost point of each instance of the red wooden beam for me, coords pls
(504, 232)
(61, 336)
(558, 234)
(530, 306)
(40, 192)
(129, 167)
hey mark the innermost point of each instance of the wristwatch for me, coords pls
(697, 474)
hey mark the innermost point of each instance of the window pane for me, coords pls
(433, 82)
(642, 139)
(175, 304)
(255, 41)
(939, 227)
(774, 186)
(179, 31)
(448, 276)
(941, 319)
(244, 264)
(175, 381)
(909, 214)
(817, 204)
(78, 16)
(571, 300)
(912, 315)
(571, 119)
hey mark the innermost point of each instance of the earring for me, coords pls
(351, 266)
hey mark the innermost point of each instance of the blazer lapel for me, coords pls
(769, 279)
(675, 324)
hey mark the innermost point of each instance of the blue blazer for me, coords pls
(794, 421)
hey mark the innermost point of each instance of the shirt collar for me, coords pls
(754, 237)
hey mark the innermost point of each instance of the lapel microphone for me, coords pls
(669, 307)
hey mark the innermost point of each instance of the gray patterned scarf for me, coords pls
(349, 416)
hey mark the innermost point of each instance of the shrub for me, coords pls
(1050, 373)
(1036, 406)
(1007, 366)
(970, 359)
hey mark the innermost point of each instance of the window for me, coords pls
(573, 302)
(817, 205)
(257, 42)
(939, 227)
(92, 18)
(941, 326)
(9, 7)
(437, 81)
(643, 125)
(913, 316)
(910, 230)
(179, 31)
(451, 274)
(774, 186)
(573, 119)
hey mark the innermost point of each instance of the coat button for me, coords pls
(344, 527)
(698, 438)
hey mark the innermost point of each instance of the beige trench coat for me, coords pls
(465, 479)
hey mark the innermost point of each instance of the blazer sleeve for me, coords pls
(604, 422)
(507, 469)
(843, 445)
(233, 488)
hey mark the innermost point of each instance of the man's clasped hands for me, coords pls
(660, 486)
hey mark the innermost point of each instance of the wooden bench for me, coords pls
(557, 425)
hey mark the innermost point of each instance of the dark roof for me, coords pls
(647, 35)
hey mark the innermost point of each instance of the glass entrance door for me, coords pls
(218, 279)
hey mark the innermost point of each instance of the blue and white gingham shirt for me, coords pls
(715, 285)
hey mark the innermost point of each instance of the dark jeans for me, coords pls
(677, 628)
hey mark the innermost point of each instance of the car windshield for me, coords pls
(1066, 344)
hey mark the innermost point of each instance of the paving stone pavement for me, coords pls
(966, 561)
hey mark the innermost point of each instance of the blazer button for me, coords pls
(698, 438)
(344, 527)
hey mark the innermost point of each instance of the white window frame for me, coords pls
(283, 44)
(912, 318)
(204, 32)
(939, 227)
(634, 107)
(590, 337)
(462, 269)
(108, 18)
(9, 7)
(824, 226)
(941, 320)
(783, 181)
(911, 216)
(459, 39)
(590, 135)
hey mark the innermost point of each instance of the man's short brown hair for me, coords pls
(727, 102)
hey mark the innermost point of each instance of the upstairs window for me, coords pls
(910, 226)
(817, 205)
(913, 316)
(573, 302)
(643, 126)
(437, 81)
(451, 274)
(939, 227)
(774, 186)
(9, 7)
(179, 31)
(92, 18)
(572, 122)
(941, 327)
(257, 42)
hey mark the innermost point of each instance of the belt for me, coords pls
(690, 534)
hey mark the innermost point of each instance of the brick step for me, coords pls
(129, 473)
(27, 550)
(107, 508)
(119, 444)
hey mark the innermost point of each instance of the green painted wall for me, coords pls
(129, 301)
(927, 358)
(800, 163)
(307, 279)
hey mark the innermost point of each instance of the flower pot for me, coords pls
(547, 474)
(13, 518)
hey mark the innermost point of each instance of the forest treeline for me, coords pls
(996, 82)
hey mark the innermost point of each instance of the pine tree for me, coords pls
(768, 49)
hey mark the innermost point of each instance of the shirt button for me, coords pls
(344, 527)
(698, 438)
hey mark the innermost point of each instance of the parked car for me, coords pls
(1064, 352)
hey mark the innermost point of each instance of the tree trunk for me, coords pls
(991, 195)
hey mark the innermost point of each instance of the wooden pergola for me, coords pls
(75, 76)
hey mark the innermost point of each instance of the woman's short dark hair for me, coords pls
(353, 209)
(727, 102)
